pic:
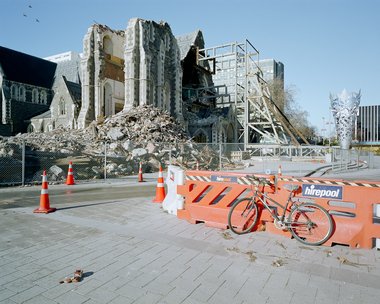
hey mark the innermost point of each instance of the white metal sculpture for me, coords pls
(344, 107)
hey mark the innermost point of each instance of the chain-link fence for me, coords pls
(20, 165)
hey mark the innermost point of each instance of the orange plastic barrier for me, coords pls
(208, 196)
(352, 205)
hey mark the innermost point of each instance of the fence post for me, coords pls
(23, 164)
(105, 161)
(357, 160)
(220, 156)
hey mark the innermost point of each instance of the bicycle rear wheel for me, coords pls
(310, 224)
(243, 216)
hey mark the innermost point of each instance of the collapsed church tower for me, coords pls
(153, 72)
(102, 74)
(122, 70)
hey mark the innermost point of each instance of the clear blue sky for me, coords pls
(325, 45)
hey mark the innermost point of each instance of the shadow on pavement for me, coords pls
(88, 205)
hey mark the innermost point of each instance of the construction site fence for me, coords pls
(21, 165)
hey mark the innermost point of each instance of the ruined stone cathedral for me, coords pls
(147, 65)
(121, 69)
(125, 69)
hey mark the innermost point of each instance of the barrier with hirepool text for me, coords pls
(354, 205)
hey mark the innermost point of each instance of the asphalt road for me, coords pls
(62, 194)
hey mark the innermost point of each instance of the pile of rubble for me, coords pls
(144, 134)
(141, 125)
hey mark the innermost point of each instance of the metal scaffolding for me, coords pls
(237, 67)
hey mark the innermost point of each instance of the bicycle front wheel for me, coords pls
(243, 216)
(310, 224)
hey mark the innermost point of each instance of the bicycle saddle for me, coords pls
(291, 188)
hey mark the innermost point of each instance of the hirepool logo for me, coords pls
(322, 191)
(224, 179)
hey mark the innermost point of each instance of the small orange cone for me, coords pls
(44, 198)
(70, 175)
(279, 170)
(140, 173)
(160, 189)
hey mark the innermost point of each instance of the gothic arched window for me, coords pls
(14, 94)
(62, 107)
(35, 96)
(43, 97)
(21, 93)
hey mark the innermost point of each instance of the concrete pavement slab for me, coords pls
(133, 252)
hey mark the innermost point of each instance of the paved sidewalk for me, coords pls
(133, 252)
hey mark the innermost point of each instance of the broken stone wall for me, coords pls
(153, 74)
(205, 122)
(102, 74)
(193, 75)
(38, 124)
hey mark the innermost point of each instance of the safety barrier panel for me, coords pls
(173, 201)
(208, 195)
(354, 206)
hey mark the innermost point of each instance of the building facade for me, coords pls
(272, 70)
(367, 125)
(64, 108)
(26, 84)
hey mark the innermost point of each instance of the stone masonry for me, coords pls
(125, 69)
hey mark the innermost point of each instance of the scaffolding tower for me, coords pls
(237, 67)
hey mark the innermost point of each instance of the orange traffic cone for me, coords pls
(140, 173)
(279, 170)
(44, 198)
(160, 189)
(70, 175)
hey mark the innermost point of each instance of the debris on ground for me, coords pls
(305, 247)
(144, 133)
(227, 236)
(278, 263)
(251, 256)
(328, 252)
(345, 261)
(234, 249)
(78, 274)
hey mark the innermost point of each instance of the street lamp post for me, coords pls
(326, 131)
(323, 130)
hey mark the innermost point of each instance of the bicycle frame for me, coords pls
(308, 222)
(263, 197)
